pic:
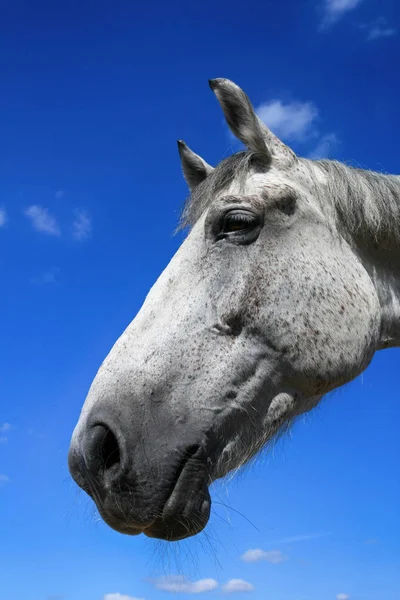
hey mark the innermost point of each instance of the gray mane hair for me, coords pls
(365, 204)
(361, 203)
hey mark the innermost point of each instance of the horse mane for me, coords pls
(362, 204)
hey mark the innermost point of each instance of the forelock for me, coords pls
(233, 168)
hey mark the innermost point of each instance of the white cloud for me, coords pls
(3, 217)
(291, 121)
(335, 9)
(342, 597)
(237, 585)
(325, 146)
(120, 597)
(179, 583)
(379, 29)
(42, 220)
(297, 121)
(59, 194)
(82, 225)
(4, 479)
(47, 277)
(273, 556)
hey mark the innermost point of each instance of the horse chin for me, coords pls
(120, 525)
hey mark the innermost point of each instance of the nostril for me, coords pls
(102, 450)
(110, 452)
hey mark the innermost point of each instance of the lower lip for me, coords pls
(157, 528)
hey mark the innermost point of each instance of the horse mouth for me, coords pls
(184, 512)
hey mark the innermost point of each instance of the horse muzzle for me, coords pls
(164, 496)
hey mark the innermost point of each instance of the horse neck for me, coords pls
(380, 256)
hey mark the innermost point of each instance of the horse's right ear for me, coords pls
(194, 168)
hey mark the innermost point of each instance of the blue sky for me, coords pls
(94, 96)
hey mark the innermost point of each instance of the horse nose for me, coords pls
(97, 458)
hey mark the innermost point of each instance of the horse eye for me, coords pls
(238, 221)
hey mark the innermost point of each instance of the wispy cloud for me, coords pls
(370, 542)
(35, 433)
(291, 121)
(59, 194)
(179, 583)
(42, 220)
(120, 597)
(237, 585)
(325, 146)
(256, 554)
(3, 217)
(4, 479)
(47, 277)
(336, 9)
(303, 538)
(342, 597)
(82, 225)
(378, 29)
(4, 428)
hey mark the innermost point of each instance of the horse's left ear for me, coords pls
(246, 125)
(194, 168)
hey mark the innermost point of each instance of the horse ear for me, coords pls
(246, 125)
(194, 168)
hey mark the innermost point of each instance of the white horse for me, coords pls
(286, 285)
